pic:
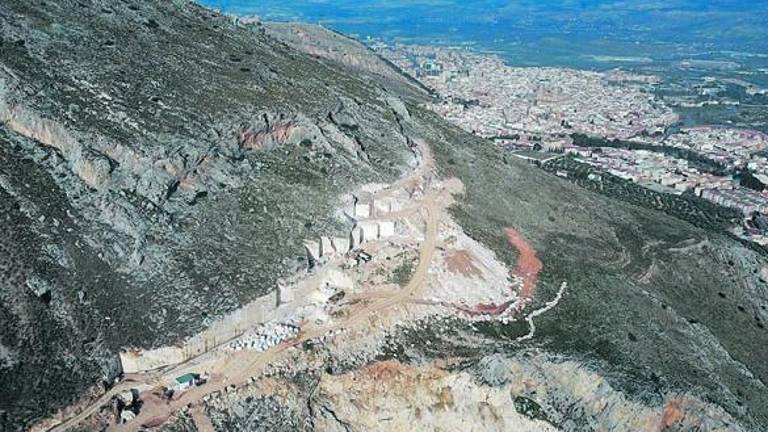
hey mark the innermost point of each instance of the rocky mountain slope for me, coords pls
(161, 164)
(321, 42)
(160, 167)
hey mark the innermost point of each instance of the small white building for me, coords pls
(183, 382)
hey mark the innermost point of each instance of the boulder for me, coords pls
(493, 370)
(345, 114)
(93, 168)
(40, 287)
(398, 107)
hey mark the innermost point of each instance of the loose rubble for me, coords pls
(264, 337)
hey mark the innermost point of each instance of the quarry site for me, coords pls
(404, 259)
(228, 224)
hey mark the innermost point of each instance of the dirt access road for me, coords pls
(237, 369)
(234, 369)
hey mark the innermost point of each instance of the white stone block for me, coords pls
(285, 294)
(341, 245)
(386, 229)
(313, 250)
(383, 206)
(326, 248)
(370, 231)
(356, 238)
(362, 211)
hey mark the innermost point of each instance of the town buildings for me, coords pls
(528, 110)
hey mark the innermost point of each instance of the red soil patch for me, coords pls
(528, 268)
(528, 263)
(384, 370)
(254, 140)
(460, 261)
(485, 309)
(155, 421)
(672, 414)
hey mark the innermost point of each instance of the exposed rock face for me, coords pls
(575, 398)
(529, 392)
(267, 135)
(271, 130)
(92, 168)
(344, 115)
(390, 396)
(338, 48)
(398, 107)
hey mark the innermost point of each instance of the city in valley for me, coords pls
(611, 121)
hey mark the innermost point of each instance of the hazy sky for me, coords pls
(648, 28)
(688, 18)
(482, 8)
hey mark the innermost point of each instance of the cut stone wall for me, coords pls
(228, 328)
